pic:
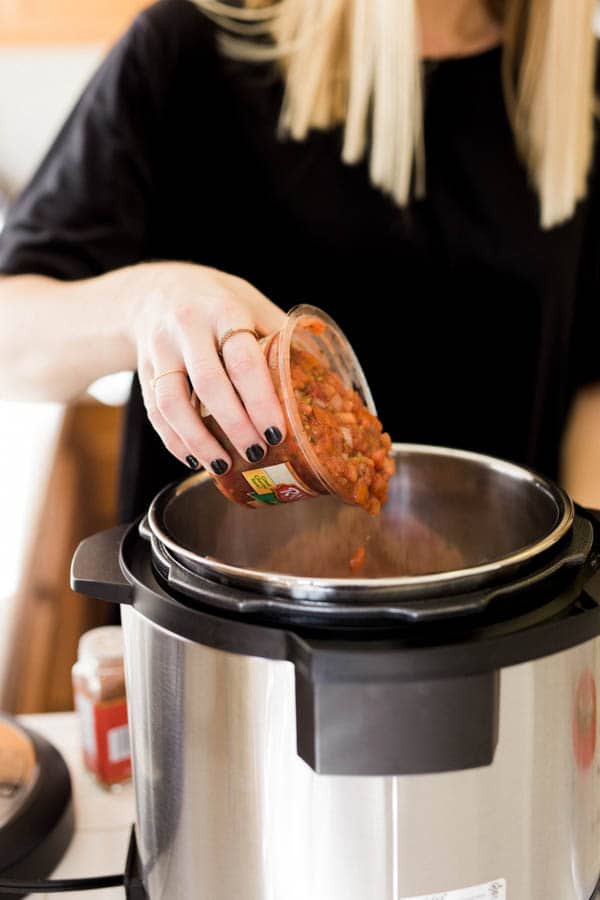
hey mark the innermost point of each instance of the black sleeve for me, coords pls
(584, 363)
(585, 344)
(87, 209)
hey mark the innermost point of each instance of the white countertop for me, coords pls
(102, 818)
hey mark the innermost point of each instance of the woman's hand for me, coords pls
(184, 312)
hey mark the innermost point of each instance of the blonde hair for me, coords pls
(356, 63)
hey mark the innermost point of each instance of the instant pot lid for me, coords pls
(19, 770)
(36, 811)
(455, 521)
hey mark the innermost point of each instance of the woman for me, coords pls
(229, 161)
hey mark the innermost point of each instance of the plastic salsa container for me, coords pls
(334, 443)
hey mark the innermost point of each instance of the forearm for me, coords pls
(581, 448)
(163, 319)
(57, 337)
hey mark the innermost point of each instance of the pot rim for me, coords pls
(303, 587)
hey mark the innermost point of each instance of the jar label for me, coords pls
(105, 737)
(492, 890)
(585, 720)
(118, 744)
(276, 484)
(113, 764)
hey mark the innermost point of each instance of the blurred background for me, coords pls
(48, 51)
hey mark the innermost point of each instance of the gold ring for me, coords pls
(168, 372)
(230, 333)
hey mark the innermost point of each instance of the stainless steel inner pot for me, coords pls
(454, 521)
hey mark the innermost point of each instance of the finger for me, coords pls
(247, 367)
(212, 385)
(170, 439)
(173, 402)
(266, 316)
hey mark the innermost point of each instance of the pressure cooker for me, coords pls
(425, 728)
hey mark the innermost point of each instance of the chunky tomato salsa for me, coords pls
(346, 437)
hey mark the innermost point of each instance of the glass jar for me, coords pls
(99, 691)
(296, 469)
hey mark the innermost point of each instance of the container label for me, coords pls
(105, 737)
(111, 717)
(276, 484)
(118, 744)
(585, 720)
(493, 890)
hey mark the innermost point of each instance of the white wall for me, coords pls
(38, 86)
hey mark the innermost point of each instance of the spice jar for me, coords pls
(99, 691)
(334, 443)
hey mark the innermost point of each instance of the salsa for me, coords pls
(346, 437)
(357, 560)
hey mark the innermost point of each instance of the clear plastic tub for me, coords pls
(295, 470)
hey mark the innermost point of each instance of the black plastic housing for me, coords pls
(391, 728)
(33, 843)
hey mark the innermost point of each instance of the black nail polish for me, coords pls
(255, 453)
(273, 435)
(219, 466)
(192, 461)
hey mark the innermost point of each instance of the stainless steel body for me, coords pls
(227, 810)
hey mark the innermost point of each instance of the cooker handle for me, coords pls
(96, 569)
(396, 727)
(587, 511)
(592, 586)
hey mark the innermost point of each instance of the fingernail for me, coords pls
(192, 461)
(255, 452)
(219, 466)
(273, 435)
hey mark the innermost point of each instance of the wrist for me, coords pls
(113, 310)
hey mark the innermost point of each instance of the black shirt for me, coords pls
(474, 326)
